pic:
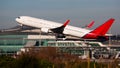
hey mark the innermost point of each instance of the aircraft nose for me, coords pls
(18, 18)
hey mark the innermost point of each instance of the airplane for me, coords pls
(24, 28)
(62, 30)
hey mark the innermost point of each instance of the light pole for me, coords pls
(40, 38)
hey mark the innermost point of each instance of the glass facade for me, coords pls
(12, 43)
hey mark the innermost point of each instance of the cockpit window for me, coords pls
(18, 17)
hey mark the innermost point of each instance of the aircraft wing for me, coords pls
(59, 30)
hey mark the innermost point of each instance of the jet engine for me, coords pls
(46, 30)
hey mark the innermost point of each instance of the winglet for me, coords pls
(90, 25)
(66, 23)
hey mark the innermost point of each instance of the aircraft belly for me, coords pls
(75, 33)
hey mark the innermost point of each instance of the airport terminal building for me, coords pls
(11, 44)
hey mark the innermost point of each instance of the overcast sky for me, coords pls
(80, 12)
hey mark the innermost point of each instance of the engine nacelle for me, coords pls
(46, 30)
(60, 35)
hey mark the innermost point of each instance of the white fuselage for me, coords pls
(45, 24)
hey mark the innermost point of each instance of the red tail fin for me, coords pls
(102, 30)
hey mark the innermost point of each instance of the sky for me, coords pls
(80, 12)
